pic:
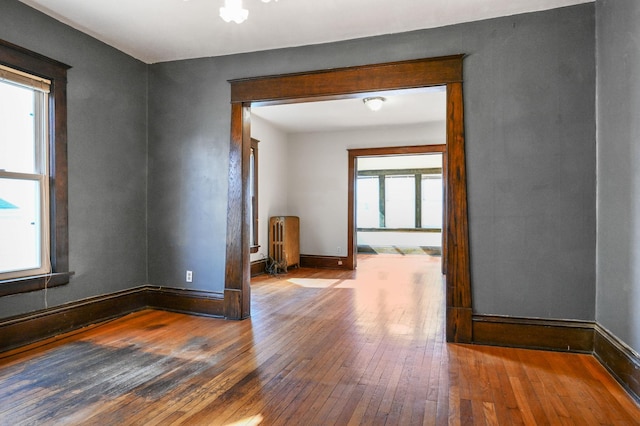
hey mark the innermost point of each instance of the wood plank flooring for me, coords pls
(322, 348)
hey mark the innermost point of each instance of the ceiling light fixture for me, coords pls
(233, 11)
(374, 103)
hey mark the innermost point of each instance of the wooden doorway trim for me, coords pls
(344, 83)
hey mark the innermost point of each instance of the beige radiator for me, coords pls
(284, 241)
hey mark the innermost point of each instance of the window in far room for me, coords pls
(399, 199)
(399, 203)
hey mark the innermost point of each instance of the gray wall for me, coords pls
(529, 105)
(530, 128)
(107, 154)
(618, 106)
(189, 126)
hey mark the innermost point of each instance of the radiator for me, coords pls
(284, 241)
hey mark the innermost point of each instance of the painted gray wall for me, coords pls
(530, 133)
(107, 154)
(530, 127)
(189, 124)
(618, 135)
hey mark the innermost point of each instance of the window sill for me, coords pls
(253, 249)
(33, 283)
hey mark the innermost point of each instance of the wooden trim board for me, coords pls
(533, 333)
(324, 262)
(29, 328)
(258, 267)
(194, 302)
(621, 361)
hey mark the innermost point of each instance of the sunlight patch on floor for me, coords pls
(313, 282)
(400, 329)
(349, 284)
(249, 421)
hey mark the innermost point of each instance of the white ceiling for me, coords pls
(400, 108)
(166, 30)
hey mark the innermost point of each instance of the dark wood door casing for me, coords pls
(345, 83)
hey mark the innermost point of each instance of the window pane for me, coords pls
(400, 201)
(368, 202)
(432, 201)
(20, 225)
(17, 129)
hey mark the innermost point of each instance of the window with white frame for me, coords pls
(24, 183)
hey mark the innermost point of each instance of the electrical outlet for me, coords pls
(189, 277)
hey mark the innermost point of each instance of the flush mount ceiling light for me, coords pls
(374, 103)
(233, 11)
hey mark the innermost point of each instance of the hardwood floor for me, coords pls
(322, 347)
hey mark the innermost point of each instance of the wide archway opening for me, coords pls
(345, 83)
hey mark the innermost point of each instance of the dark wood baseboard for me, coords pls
(621, 361)
(533, 333)
(194, 302)
(324, 262)
(258, 267)
(29, 328)
(32, 327)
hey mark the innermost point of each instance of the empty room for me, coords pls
(227, 212)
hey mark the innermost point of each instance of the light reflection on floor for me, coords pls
(313, 282)
(249, 421)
